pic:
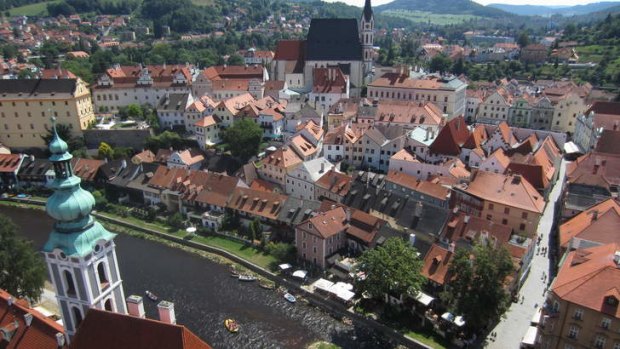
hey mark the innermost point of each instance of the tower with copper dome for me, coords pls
(79, 253)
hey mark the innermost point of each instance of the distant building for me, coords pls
(26, 106)
(534, 53)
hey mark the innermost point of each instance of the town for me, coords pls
(436, 192)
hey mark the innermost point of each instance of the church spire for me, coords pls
(367, 11)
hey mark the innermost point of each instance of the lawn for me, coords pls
(426, 338)
(238, 249)
(38, 9)
(429, 17)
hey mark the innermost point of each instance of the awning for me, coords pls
(322, 284)
(457, 320)
(424, 298)
(300, 274)
(530, 336)
(285, 266)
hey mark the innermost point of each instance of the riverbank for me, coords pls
(335, 309)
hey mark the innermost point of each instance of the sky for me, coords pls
(360, 3)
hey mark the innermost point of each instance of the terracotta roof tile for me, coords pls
(41, 334)
(436, 264)
(588, 276)
(234, 72)
(451, 137)
(598, 223)
(509, 190)
(9, 162)
(102, 329)
(335, 182)
(257, 202)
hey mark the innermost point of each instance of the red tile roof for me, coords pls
(595, 169)
(436, 264)
(145, 156)
(335, 182)
(290, 50)
(426, 187)
(588, 276)
(103, 330)
(41, 334)
(86, 169)
(234, 72)
(328, 80)
(451, 137)
(257, 202)
(598, 223)
(327, 224)
(509, 190)
(9, 162)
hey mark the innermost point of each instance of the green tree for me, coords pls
(135, 111)
(392, 268)
(101, 202)
(523, 39)
(25, 74)
(22, 270)
(256, 229)
(105, 151)
(282, 251)
(64, 132)
(235, 60)
(440, 63)
(175, 220)
(458, 67)
(476, 290)
(243, 138)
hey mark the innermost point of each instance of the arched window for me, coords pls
(69, 283)
(108, 305)
(101, 272)
(77, 315)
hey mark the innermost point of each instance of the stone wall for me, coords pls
(132, 138)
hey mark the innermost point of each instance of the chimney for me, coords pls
(166, 312)
(594, 215)
(418, 209)
(135, 306)
(60, 339)
(28, 319)
(348, 215)
(428, 132)
(322, 167)
(451, 246)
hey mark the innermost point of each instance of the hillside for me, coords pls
(539, 10)
(458, 7)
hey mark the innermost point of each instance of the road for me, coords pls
(511, 329)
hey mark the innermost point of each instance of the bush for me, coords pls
(281, 251)
(175, 221)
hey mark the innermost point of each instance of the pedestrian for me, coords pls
(522, 299)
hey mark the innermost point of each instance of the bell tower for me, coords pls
(79, 252)
(367, 30)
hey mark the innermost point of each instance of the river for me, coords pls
(204, 295)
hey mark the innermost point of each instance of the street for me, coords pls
(511, 329)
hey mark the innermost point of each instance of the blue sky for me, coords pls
(360, 3)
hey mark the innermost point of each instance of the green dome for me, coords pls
(69, 205)
(78, 243)
(57, 145)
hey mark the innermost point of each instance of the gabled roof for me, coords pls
(283, 157)
(328, 80)
(436, 264)
(290, 50)
(476, 138)
(500, 157)
(257, 202)
(327, 224)
(41, 334)
(598, 223)
(234, 72)
(451, 137)
(102, 329)
(144, 156)
(426, 187)
(333, 39)
(10, 162)
(335, 182)
(86, 169)
(594, 169)
(509, 190)
(588, 276)
(207, 121)
(609, 142)
(472, 229)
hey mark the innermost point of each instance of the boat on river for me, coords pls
(152, 296)
(245, 277)
(289, 297)
(266, 285)
(231, 325)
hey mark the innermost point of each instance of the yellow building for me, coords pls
(26, 106)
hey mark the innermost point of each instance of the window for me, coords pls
(77, 315)
(524, 215)
(69, 283)
(599, 341)
(490, 206)
(522, 226)
(605, 323)
(573, 332)
(504, 221)
(506, 210)
(101, 272)
(578, 314)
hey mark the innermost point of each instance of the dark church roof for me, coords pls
(333, 39)
(367, 11)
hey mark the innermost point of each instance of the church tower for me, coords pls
(79, 252)
(367, 29)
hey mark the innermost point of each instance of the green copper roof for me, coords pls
(78, 244)
(70, 204)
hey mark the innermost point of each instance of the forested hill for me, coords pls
(442, 7)
(541, 10)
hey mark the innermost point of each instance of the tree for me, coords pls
(22, 270)
(105, 151)
(135, 111)
(101, 202)
(243, 138)
(255, 229)
(458, 67)
(282, 251)
(523, 39)
(392, 268)
(175, 220)
(64, 132)
(440, 63)
(235, 60)
(476, 290)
